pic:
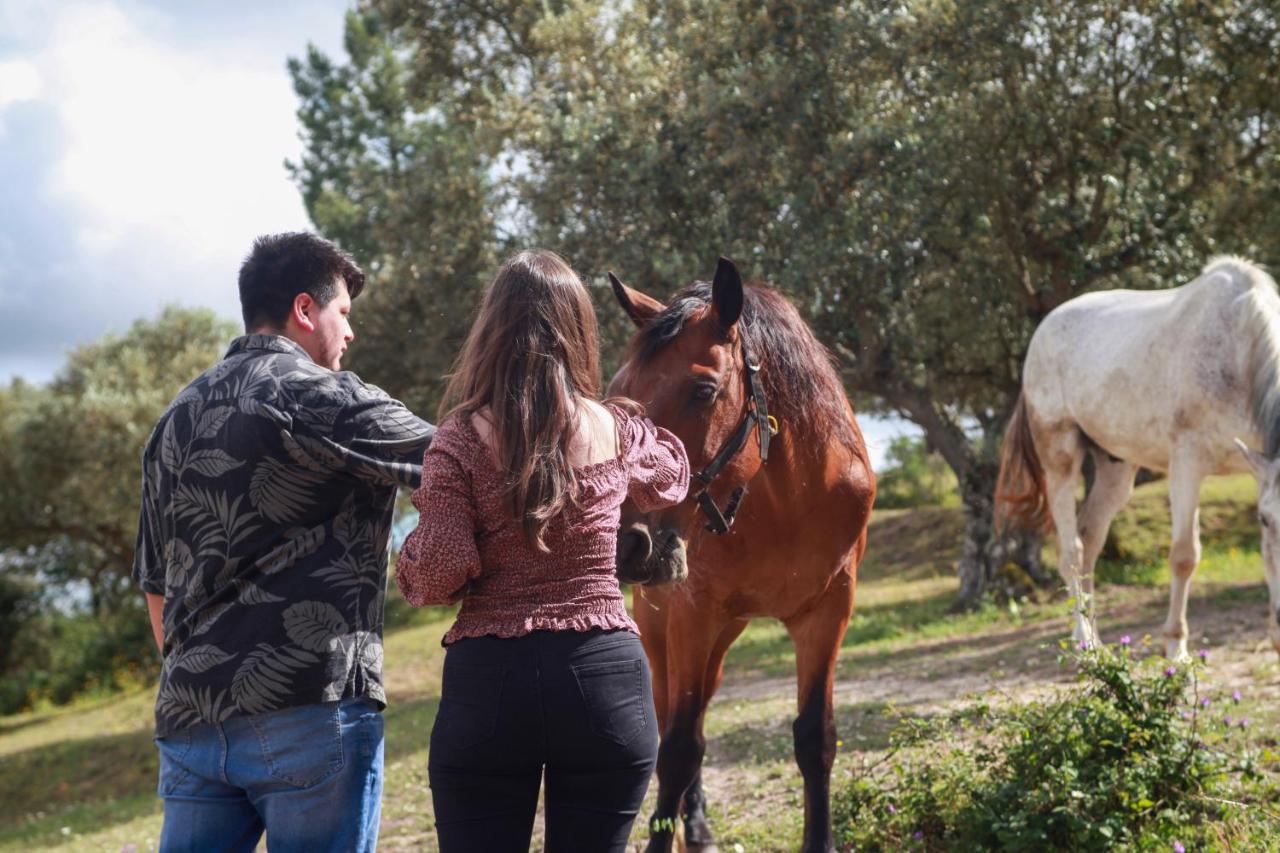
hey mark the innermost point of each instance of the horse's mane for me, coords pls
(1262, 325)
(804, 391)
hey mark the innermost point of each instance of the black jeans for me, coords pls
(577, 704)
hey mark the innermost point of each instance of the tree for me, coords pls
(925, 179)
(70, 453)
(403, 183)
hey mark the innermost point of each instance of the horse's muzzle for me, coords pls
(650, 557)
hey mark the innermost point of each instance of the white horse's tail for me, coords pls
(1021, 500)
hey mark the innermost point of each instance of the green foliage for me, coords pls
(925, 179)
(403, 182)
(1134, 757)
(913, 477)
(70, 458)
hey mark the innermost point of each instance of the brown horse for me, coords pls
(704, 367)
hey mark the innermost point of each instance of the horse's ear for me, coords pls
(640, 307)
(726, 293)
(1258, 463)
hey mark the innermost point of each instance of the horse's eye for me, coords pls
(704, 393)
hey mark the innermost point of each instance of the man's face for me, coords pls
(328, 341)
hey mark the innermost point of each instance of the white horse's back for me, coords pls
(1141, 371)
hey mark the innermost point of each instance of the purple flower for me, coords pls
(1244, 721)
(1204, 655)
(1171, 672)
(1235, 695)
(1126, 640)
(1178, 848)
(1186, 715)
(918, 836)
(1082, 646)
(1204, 703)
(893, 809)
(1226, 721)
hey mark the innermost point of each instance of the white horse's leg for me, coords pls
(1062, 455)
(1185, 476)
(1112, 487)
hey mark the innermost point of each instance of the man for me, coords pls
(268, 489)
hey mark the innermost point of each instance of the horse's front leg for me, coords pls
(690, 640)
(1185, 477)
(698, 837)
(817, 635)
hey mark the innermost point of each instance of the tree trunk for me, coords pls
(977, 466)
(986, 551)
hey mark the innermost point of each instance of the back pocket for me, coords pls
(614, 695)
(302, 746)
(470, 699)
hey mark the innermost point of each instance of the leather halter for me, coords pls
(756, 416)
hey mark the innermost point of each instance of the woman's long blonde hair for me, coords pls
(533, 353)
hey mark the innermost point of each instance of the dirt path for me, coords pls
(748, 769)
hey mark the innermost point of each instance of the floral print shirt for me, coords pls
(268, 491)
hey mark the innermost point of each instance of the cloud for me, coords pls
(142, 150)
(19, 81)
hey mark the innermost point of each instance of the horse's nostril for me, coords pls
(634, 546)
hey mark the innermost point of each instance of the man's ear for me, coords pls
(302, 312)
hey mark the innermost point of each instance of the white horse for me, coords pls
(1170, 380)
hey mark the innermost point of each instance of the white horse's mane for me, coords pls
(1262, 325)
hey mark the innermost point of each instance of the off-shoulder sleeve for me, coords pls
(439, 558)
(656, 463)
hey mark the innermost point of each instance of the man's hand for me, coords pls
(155, 609)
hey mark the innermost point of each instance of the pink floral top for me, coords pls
(468, 546)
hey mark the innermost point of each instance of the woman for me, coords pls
(520, 503)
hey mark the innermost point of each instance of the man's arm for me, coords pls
(374, 436)
(155, 609)
(148, 561)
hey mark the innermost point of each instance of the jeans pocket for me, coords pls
(173, 754)
(301, 746)
(470, 700)
(614, 695)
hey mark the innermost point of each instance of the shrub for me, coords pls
(1135, 758)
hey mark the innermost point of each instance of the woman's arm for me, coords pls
(439, 558)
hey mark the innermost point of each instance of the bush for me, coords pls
(913, 476)
(1136, 758)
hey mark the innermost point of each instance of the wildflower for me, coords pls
(1235, 696)
(1171, 672)
(1204, 703)
(893, 809)
(1226, 721)
(1146, 639)
(1178, 848)
(919, 835)
(1082, 646)
(1126, 640)
(1244, 721)
(1204, 655)
(1186, 715)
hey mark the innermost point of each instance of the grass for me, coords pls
(83, 777)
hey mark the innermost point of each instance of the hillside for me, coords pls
(83, 777)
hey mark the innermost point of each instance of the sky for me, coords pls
(142, 148)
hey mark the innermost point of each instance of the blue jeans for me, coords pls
(310, 776)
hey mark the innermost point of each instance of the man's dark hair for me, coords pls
(281, 266)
